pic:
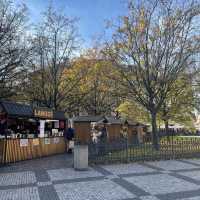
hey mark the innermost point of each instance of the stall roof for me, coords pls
(111, 120)
(87, 118)
(59, 115)
(16, 109)
(100, 119)
(23, 110)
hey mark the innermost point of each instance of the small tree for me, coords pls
(152, 45)
(179, 104)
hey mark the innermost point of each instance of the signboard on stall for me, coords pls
(47, 141)
(35, 142)
(56, 140)
(23, 142)
(43, 113)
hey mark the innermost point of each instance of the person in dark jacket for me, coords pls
(69, 136)
(103, 138)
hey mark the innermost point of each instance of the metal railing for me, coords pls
(122, 150)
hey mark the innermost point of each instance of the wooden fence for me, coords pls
(13, 150)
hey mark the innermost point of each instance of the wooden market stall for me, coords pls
(82, 127)
(83, 124)
(30, 132)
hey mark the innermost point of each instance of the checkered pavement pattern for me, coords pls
(54, 178)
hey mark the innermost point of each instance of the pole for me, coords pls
(5, 142)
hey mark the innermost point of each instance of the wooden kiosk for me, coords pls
(27, 132)
(83, 124)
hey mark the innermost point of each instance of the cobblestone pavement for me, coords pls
(53, 178)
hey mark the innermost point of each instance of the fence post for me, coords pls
(172, 145)
(4, 158)
(127, 153)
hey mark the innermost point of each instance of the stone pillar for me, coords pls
(81, 157)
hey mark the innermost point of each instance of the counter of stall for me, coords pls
(28, 132)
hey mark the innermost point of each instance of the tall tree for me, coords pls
(13, 50)
(55, 42)
(152, 45)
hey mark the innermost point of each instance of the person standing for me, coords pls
(69, 137)
(103, 138)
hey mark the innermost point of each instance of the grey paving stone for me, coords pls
(192, 198)
(172, 165)
(42, 175)
(194, 161)
(70, 173)
(41, 184)
(18, 178)
(48, 193)
(112, 177)
(95, 190)
(186, 178)
(163, 180)
(148, 164)
(78, 180)
(191, 174)
(29, 193)
(139, 174)
(180, 195)
(127, 168)
(50, 162)
(7, 187)
(101, 170)
(130, 187)
(162, 184)
(166, 172)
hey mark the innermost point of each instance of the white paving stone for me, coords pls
(92, 190)
(70, 173)
(127, 168)
(161, 184)
(172, 165)
(192, 174)
(28, 193)
(17, 178)
(148, 198)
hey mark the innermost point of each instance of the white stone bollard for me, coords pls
(81, 157)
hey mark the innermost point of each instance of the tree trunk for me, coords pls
(167, 129)
(154, 131)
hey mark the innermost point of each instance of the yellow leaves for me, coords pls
(132, 111)
(124, 107)
(141, 25)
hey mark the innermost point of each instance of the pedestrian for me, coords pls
(69, 138)
(103, 138)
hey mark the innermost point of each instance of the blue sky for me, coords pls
(92, 13)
